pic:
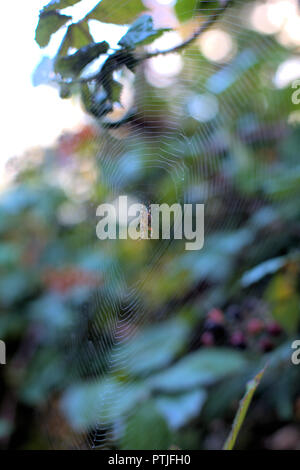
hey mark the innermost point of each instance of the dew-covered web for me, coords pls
(156, 143)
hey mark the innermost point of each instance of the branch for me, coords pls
(202, 28)
(118, 64)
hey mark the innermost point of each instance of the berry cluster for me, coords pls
(240, 328)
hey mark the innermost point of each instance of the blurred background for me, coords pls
(108, 341)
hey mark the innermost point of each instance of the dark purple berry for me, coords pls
(266, 345)
(238, 340)
(274, 329)
(207, 339)
(217, 330)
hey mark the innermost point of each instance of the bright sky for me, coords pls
(33, 116)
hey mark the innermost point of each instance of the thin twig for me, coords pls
(202, 28)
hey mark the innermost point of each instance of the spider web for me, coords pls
(190, 164)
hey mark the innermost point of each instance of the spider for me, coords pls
(145, 223)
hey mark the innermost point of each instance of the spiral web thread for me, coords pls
(118, 307)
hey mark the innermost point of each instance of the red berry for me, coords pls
(216, 316)
(255, 326)
(274, 329)
(207, 339)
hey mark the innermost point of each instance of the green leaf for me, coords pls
(88, 404)
(108, 12)
(50, 310)
(72, 65)
(155, 347)
(209, 7)
(95, 103)
(283, 184)
(242, 410)
(146, 429)
(15, 286)
(140, 32)
(78, 35)
(203, 367)
(284, 301)
(178, 410)
(257, 273)
(86, 96)
(185, 9)
(6, 428)
(59, 4)
(48, 24)
(46, 373)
